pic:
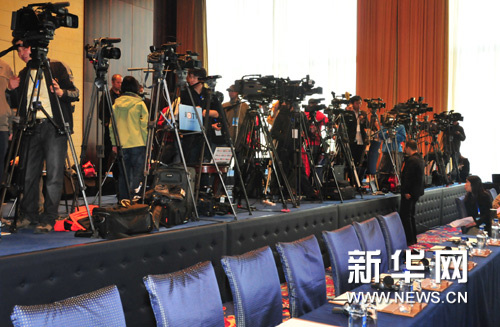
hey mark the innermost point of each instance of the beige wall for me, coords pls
(67, 46)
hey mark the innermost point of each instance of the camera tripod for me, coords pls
(329, 157)
(254, 126)
(100, 90)
(27, 112)
(162, 88)
(301, 141)
(345, 149)
(391, 144)
(438, 159)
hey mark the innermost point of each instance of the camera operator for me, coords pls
(282, 133)
(452, 139)
(235, 112)
(45, 142)
(193, 143)
(356, 130)
(5, 112)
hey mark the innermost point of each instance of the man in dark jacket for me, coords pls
(412, 187)
(45, 141)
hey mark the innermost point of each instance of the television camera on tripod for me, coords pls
(34, 26)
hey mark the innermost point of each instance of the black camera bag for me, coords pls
(123, 220)
(170, 199)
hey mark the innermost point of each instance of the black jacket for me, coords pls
(351, 125)
(483, 203)
(64, 77)
(412, 176)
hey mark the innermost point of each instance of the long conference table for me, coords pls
(482, 308)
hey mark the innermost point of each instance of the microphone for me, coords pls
(110, 39)
(386, 284)
(209, 77)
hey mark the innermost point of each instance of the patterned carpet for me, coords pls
(425, 241)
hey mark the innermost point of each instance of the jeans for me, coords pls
(133, 159)
(43, 144)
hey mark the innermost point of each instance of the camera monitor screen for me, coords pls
(187, 118)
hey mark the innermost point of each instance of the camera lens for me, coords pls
(111, 53)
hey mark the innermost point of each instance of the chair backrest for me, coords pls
(255, 286)
(305, 274)
(462, 211)
(493, 193)
(188, 297)
(393, 231)
(102, 307)
(371, 239)
(339, 242)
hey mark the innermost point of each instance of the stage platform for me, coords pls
(36, 269)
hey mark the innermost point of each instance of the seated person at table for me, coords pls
(478, 202)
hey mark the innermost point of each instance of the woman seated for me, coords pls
(478, 202)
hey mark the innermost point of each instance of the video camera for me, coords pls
(314, 105)
(263, 89)
(101, 51)
(446, 119)
(375, 104)
(413, 107)
(337, 101)
(166, 55)
(35, 24)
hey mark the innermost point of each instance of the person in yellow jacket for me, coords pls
(131, 116)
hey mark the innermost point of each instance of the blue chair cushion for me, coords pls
(393, 231)
(339, 243)
(305, 274)
(255, 287)
(371, 239)
(189, 297)
(102, 307)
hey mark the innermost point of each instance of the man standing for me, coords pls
(235, 112)
(452, 139)
(46, 141)
(192, 144)
(114, 93)
(412, 187)
(356, 130)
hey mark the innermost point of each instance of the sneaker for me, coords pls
(22, 223)
(43, 228)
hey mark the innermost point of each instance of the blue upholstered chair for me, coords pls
(189, 297)
(255, 287)
(393, 231)
(339, 243)
(305, 274)
(462, 211)
(371, 239)
(102, 307)
(493, 193)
